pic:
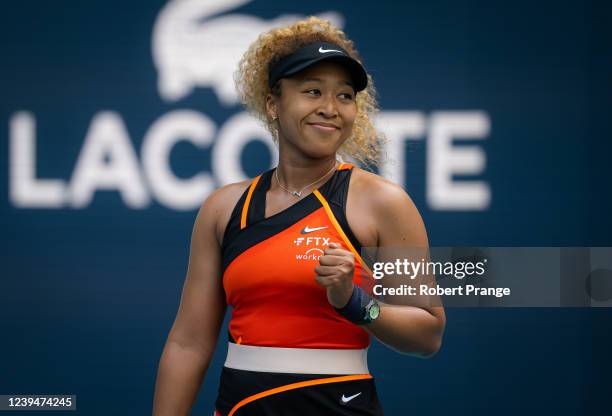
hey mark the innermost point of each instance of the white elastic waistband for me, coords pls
(296, 360)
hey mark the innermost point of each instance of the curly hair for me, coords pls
(251, 80)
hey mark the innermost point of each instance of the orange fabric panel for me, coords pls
(345, 166)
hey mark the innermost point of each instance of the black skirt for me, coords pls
(254, 393)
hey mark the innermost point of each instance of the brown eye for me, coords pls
(313, 92)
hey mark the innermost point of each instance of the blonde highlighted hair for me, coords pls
(251, 80)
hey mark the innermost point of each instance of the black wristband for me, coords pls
(355, 309)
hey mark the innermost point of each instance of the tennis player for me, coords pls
(283, 249)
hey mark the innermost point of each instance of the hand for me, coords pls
(335, 273)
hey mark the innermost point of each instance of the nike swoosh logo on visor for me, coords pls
(328, 50)
(307, 229)
(348, 399)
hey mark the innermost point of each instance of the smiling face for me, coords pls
(316, 110)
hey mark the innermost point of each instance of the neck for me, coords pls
(296, 174)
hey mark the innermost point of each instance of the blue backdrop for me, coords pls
(94, 250)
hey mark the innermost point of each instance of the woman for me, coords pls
(284, 249)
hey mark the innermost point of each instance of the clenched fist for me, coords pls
(335, 273)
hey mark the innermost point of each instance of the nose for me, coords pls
(327, 107)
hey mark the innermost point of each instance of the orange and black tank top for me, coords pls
(269, 268)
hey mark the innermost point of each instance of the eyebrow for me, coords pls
(307, 79)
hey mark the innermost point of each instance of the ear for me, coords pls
(271, 108)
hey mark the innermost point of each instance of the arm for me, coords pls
(193, 336)
(408, 329)
(394, 222)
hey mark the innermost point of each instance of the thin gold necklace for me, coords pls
(299, 193)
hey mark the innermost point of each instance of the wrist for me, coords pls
(339, 297)
(361, 308)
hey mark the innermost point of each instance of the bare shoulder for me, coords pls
(217, 208)
(380, 193)
(393, 212)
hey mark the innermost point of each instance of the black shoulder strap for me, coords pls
(336, 193)
(233, 226)
(254, 198)
(257, 208)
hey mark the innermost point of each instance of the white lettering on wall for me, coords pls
(108, 161)
(398, 127)
(173, 192)
(236, 133)
(444, 160)
(26, 191)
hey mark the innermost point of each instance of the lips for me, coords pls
(326, 127)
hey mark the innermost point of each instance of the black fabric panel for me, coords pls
(233, 226)
(258, 232)
(257, 207)
(337, 202)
